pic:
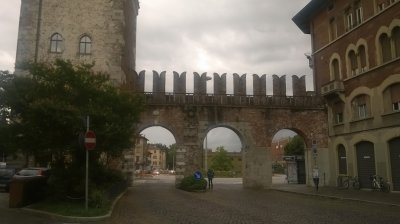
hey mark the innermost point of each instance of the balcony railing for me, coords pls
(332, 87)
(304, 102)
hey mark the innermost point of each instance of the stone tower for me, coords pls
(99, 31)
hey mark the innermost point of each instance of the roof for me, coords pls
(302, 18)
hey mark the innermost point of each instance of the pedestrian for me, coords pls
(316, 178)
(210, 176)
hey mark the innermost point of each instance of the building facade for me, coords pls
(90, 31)
(158, 158)
(356, 63)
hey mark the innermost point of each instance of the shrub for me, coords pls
(189, 183)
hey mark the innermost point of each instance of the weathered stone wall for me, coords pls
(255, 127)
(110, 24)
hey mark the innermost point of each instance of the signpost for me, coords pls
(90, 140)
(90, 144)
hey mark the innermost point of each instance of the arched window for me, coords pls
(363, 58)
(337, 110)
(396, 40)
(85, 45)
(391, 98)
(385, 48)
(56, 43)
(353, 63)
(335, 69)
(360, 106)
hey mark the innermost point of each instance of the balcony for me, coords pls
(332, 88)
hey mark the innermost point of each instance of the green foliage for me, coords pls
(47, 113)
(221, 161)
(98, 199)
(295, 147)
(189, 183)
(171, 152)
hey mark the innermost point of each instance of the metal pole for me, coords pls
(87, 170)
(205, 154)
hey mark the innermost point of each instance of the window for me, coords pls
(396, 41)
(332, 29)
(385, 48)
(396, 106)
(359, 15)
(381, 6)
(335, 69)
(363, 58)
(338, 109)
(56, 43)
(349, 19)
(137, 158)
(353, 63)
(85, 45)
(395, 96)
(362, 110)
(360, 107)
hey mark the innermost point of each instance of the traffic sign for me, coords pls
(90, 140)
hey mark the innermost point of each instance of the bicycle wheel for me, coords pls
(346, 184)
(385, 187)
(356, 185)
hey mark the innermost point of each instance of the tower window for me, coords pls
(85, 45)
(359, 15)
(56, 43)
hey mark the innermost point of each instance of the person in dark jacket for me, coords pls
(210, 176)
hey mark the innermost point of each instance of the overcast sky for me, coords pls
(222, 36)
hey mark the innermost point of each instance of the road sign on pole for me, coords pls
(90, 140)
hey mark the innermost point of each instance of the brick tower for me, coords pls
(99, 31)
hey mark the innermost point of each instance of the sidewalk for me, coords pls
(364, 195)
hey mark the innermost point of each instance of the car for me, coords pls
(6, 175)
(33, 172)
(171, 171)
(156, 172)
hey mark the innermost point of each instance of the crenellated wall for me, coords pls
(220, 83)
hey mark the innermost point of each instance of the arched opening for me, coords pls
(223, 155)
(288, 160)
(153, 154)
(394, 148)
(384, 41)
(365, 163)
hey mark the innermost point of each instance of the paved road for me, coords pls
(157, 201)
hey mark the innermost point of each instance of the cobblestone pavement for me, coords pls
(157, 201)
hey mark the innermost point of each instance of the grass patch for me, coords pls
(71, 208)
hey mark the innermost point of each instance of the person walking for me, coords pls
(210, 176)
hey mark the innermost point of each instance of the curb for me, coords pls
(63, 218)
(339, 198)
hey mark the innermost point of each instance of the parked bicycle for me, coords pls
(379, 184)
(344, 182)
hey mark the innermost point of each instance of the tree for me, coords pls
(295, 147)
(171, 153)
(221, 161)
(47, 114)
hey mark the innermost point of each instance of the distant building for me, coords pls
(158, 158)
(356, 65)
(278, 148)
